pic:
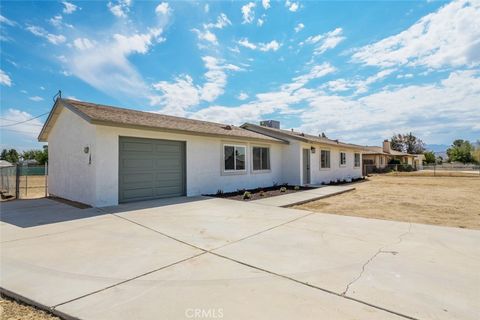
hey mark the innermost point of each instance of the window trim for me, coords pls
(359, 159)
(230, 171)
(253, 170)
(329, 162)
(340, 159)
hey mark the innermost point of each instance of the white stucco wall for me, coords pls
(70, 175)
(203, 164)
(335, 172)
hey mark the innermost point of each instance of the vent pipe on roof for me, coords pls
(270, 124)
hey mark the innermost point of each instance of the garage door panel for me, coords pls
(157, 173)
(138, 146)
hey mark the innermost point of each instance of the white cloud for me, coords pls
(266, 4)
(5, 20)
(260, 22)
(5, 79)
(405, 76)
(447, 37)
(268, 46)
(359, 85)
(248, 12)
(299, 27)
(162, 8)
(29, 129)
(206, 35)
(120, 8)
(69, 7)
(42, 88)
(291, 5)
(247, 44)
(181, 94)
(83, 43)
(104, 64)
(206, 8)
(325, 41)
(424, 109)
(36, 98)
(242, 96)
(52, 38)
(222, 22)
(316, 71)
(57, 21)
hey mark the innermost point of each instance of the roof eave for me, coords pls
(180, 131)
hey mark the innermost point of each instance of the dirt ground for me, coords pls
(11, 310)
(446, 201)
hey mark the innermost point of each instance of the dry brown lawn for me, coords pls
(446, 201)
(11, 310)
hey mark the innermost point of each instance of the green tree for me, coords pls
(429, 157)
(407, 143)
(461, 151)
(11, 155)
(41, 156)
(476, 152)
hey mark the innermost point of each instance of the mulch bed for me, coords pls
(259, 193)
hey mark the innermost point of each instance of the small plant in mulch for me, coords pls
(261, 193)
(283, 189)
(247, 195)
(296, 188)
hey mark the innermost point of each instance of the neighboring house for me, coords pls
(5, 163)
(379, 157)
(309, 159)
(102, 155)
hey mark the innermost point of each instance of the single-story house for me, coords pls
(103, 155)
(379, 157)
(5, 163)
(309, 159)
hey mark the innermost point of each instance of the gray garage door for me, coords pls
(150, 169)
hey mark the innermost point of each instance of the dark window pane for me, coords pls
(265, 158)
(229, 158)
(256, 158)
(240, 158)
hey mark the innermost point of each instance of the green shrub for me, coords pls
(283, 189)
(247, 195)
(296, 188)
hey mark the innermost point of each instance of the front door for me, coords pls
(306, 166)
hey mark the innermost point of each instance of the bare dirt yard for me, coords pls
(12, 310)
(446, 201)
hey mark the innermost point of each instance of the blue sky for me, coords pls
(358, 71)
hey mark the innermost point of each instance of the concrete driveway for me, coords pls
(202, 258)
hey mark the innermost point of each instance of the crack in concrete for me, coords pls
(380, 250)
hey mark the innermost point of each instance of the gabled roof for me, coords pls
(379, 150)
(119, 117)
(282, 134)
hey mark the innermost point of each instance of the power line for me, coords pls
(30, 124)
(14, 124)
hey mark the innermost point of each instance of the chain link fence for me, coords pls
(434, 170)
(24, 182)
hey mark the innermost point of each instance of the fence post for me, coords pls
(46, 179)
(17, 181)
(434, 168)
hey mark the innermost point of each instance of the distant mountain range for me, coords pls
(437, 147)
(440, 150)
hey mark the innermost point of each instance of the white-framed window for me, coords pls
(343, 158)
(324, 159)
(357, 160)
(260, 158)
(234, 158)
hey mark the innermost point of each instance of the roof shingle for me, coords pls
(108, 115)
